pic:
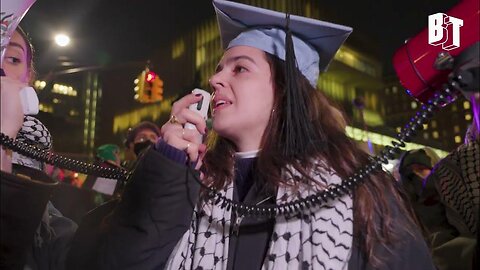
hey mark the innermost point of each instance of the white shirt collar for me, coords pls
(247, 154)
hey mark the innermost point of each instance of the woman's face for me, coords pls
(243, 96)
(15, 64)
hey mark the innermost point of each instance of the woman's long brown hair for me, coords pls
(376, 201)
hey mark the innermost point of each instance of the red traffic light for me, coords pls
(150, 76)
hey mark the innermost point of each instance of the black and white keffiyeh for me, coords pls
(318, 238)
(33, 132)
(457, 177)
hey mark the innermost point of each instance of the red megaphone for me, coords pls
(422, 63)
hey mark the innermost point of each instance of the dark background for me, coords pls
(112, 31)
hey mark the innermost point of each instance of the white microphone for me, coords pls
(200, 107)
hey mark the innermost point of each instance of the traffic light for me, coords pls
(157, 89)
(150, 76)
(139, 87)
(148, 87)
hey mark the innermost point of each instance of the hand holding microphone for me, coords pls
(200, 107)
(11, 116)
(11, 106)
(12, 14)
(187, 124)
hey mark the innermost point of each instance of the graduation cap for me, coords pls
(315, 42)
(306, 45)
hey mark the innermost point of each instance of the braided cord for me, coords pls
(333, 191)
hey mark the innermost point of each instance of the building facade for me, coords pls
(103, 107)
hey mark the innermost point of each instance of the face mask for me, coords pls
(139, 147)
(413, 184)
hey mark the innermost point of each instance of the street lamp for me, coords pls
(62, 40)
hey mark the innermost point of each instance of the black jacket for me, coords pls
(34, 234)
(156, 211)
(23, 202)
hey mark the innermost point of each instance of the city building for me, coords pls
(97, 106)
(353, 75)
(87, 107)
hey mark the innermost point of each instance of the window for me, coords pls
(435, 134)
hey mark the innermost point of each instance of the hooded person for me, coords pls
(247, 199)
(414, 168)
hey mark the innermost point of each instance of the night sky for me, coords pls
(113, 31)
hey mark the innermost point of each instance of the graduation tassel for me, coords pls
(297, 133)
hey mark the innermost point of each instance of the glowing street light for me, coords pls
(62, 40)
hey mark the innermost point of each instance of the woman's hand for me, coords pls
(11, 116)
(188, 140)
(11, 106)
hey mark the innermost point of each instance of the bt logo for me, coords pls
(445, 30)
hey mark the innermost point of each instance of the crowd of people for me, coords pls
(215, 203)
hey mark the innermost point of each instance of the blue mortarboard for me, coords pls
(315, 42)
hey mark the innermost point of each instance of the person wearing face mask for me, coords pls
(139, 138)
(414, 168)
(34, 234)
(246, 198)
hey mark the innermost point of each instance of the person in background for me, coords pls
(138, 139)
(55, 231)
(34, 234)
(107, 155)
(457, 181)
(275, 140)
(414, 167)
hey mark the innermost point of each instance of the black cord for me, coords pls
(333, 191)
(61, 161)
(347, 186)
